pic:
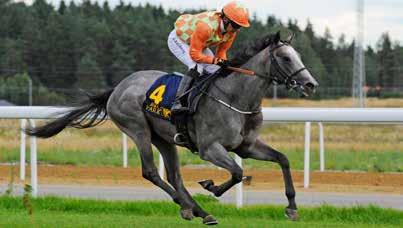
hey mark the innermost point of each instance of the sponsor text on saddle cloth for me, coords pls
(161, 95)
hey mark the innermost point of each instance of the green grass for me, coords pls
(56, 212)
(335, 160)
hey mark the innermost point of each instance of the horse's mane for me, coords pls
(248, 51)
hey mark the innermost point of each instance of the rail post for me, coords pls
(321, 147)
(307, 153)
(34, 162)
(124, 142)
(161, 167)
(22, 149)
(239, 186)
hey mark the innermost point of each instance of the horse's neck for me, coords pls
(244, 91)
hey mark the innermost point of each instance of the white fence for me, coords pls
(307, 115)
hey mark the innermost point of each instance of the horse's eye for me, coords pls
(286, 59)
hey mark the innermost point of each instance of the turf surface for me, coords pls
(65, 212)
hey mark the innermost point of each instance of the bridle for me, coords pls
(278, 75)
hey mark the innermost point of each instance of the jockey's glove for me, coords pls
(221, 62)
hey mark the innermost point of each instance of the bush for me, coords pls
(15, 89)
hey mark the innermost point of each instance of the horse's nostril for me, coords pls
(310, 85)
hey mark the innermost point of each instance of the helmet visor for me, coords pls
(235, 25)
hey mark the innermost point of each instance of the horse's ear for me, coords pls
(277, 37)
(290, 38)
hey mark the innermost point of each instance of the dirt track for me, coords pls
(262, 179)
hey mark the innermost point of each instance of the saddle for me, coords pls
(161, 95)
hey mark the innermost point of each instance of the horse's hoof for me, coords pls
(187, 214)
(291, 214)
(209, 220)
(206, 183)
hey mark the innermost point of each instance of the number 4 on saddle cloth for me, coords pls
(161, 95)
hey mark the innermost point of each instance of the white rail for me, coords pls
(370, 115)
(307, 115)
(334, 115)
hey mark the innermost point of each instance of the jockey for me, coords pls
(194, 34)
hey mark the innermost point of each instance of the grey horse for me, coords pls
(215, 128)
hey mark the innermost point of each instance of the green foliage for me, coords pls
(342, 160)
(10, 186)
(15, 89)
(93, 47)
(26, 199)
(89, 74)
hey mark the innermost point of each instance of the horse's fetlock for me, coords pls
(237, 176)
(290, 194)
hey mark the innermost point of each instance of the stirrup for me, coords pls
(177, 139)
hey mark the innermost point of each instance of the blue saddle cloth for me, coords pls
(161, 95)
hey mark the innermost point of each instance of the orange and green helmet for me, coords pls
(237, 13)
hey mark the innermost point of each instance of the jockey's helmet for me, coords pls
(237, 13)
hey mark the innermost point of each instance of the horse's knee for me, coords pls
(150, 175)
(174, 180)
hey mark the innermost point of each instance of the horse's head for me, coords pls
(286, 66)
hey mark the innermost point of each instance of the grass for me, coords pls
(65, 212)
(335, 160)
(335, 103)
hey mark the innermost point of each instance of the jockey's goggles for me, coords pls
(235, 25)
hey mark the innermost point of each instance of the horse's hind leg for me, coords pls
(217, 154)
(261, 151)
(140, 133)
(171, 161)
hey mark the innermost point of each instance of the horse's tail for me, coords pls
(88, 114)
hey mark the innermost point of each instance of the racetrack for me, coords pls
(251, 197)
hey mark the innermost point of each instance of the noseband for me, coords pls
(286, 79)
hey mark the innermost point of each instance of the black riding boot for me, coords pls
(177, 107)
(183, 86)
(179, 112)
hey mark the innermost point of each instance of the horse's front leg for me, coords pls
(261, 151)
(217, 154)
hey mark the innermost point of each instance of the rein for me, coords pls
(286, 79)
(230, 106)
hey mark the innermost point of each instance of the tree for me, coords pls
(62, 8)
(15, 88)
(42, 10)
(386, 61)
(271, 21)
(341, 43)
(309, 30)
(89, 74)
(60, 63)
(397, 65)
(12, 61)
(371, 67)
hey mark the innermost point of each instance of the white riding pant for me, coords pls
(181, 50)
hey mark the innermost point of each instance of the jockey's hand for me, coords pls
(221, 62)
